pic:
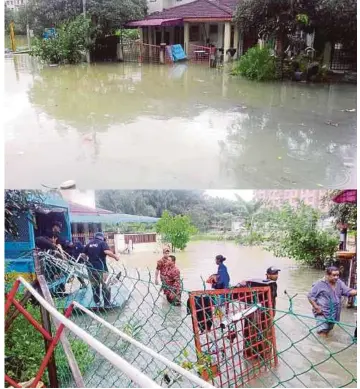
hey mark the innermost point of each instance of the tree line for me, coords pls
(205, 211)
(106, 15)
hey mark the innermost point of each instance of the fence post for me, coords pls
(45, 319)
(327, 54)
(162, 53)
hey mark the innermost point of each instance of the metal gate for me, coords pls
(234, 334)
(343, 59)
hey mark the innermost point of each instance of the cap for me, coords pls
(272, 270)
(99, 235)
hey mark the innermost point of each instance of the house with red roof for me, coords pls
(195, 25)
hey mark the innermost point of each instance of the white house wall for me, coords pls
(160, 5)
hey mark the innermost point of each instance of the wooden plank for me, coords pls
(63, 338)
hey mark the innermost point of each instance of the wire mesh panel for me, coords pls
(226, 337)
(199, 54)
(234, 334)
(342, 59)
(141, 53)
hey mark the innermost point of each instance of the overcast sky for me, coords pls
(247, 195)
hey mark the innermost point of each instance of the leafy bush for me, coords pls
(251, 239)
(24, 346)
(295, 233)
(176, 230)
(256, 64)
(68, 46)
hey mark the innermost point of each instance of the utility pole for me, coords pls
(84, 7)
(27, 25)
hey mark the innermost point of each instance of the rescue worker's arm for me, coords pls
(108, 252)
(312, 296)
(157, 271)
(157, 277)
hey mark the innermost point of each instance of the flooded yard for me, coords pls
(125, 125)
(304, 360)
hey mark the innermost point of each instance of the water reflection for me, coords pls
(245, 134)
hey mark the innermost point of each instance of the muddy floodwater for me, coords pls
(183, 126)
(304, 360)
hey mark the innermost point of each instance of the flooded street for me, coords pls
(304, 359)
(125, 125)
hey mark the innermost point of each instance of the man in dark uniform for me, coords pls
(76, 251)
(272, 274)
(97, 250)
(54, 235)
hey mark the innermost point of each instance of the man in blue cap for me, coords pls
(97, 250)
(272, 274)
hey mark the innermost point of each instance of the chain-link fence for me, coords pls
(247, 344)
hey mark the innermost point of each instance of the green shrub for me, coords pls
(68, 46)
(25, 347)
(256, 64)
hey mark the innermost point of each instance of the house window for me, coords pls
(213, 29)
(194, 33)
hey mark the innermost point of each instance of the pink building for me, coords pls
(278, 197)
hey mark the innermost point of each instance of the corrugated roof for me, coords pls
(79, 209)
(113, 218)
(220, 9)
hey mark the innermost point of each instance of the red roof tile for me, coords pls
(79, 209)
(154, 22)
(199, 9)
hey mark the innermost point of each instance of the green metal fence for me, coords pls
(140, 309)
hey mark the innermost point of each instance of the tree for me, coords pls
(149, 202)
(337, 20)
(18, 203)
(111, 15)
(275, 18)
(107, 15)
(175, 230)
(68, 45)
(248, 211)
(8, 17)
(334, 20)
(51, 13)
(295, 233)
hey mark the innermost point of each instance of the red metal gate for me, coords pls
(234, 334)
(52, 341)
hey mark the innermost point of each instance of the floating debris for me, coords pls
(329, 123)
(348, 110)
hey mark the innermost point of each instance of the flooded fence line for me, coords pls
(139, 52)
(230, 338)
